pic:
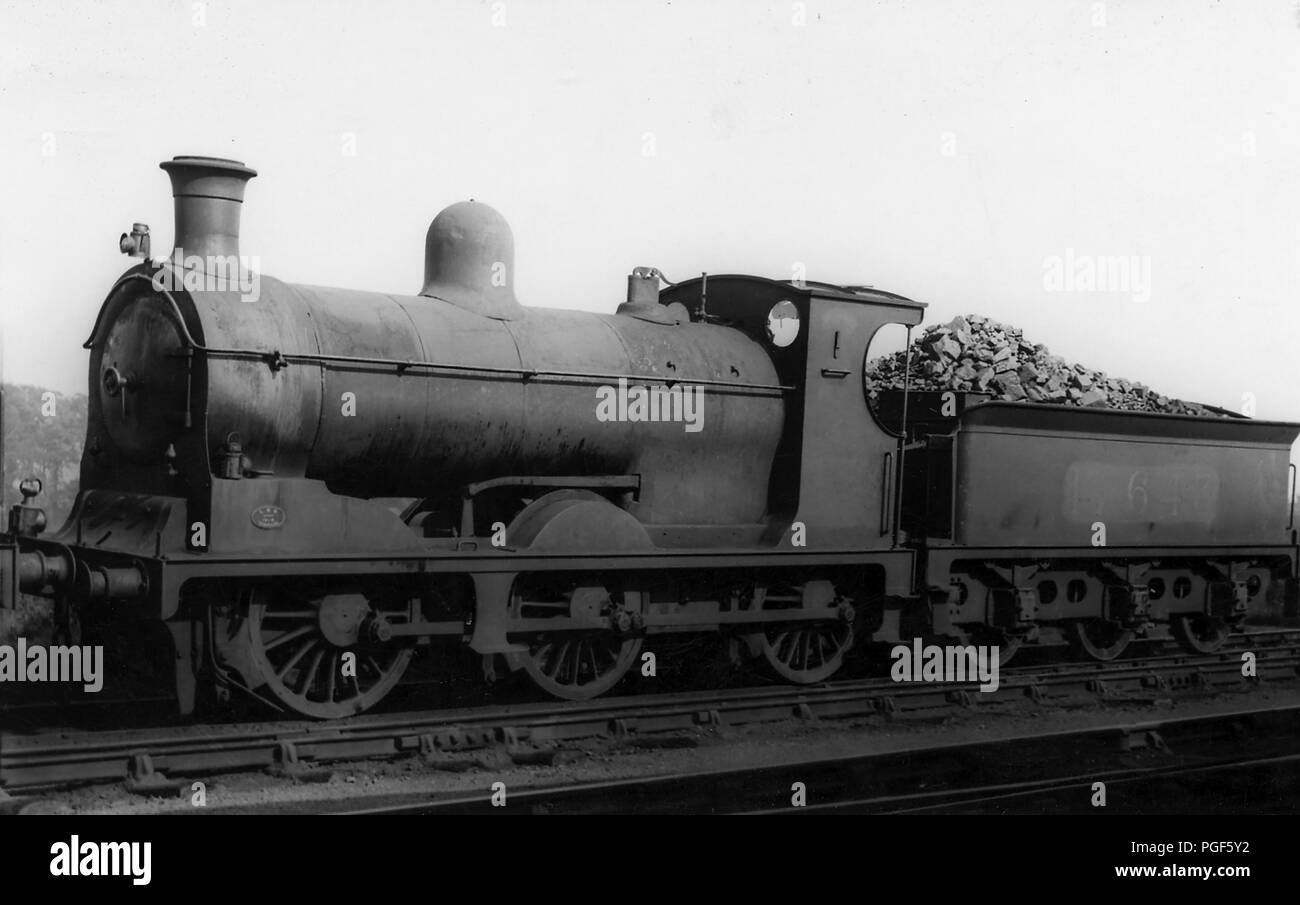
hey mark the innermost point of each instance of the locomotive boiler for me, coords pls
(306, 486)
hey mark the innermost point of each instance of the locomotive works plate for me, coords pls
(267, 517)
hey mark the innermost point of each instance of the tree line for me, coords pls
(43, 435)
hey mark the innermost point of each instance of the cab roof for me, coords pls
(867, 295)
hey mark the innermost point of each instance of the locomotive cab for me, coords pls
(828, 471)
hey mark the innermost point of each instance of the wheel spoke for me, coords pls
(293, 661)
(309, 677)
(579, 657)
(560, 657)
(287, 637)
(778, 645)
(542, 653)
(575, 663)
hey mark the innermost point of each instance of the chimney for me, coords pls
(208, 193)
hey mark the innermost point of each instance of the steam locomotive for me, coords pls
(304, 485)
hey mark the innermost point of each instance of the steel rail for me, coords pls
(1004, 793)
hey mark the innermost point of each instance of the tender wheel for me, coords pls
(582, 664)
(1100, 639)
(800, 653)
(297, 645)
(1199, 634)
(985, 636)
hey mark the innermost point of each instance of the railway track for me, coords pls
(153, 759)
(1136, 762)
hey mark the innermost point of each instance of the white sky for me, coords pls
(1170, 131)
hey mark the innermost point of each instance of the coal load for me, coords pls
(975, 354)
